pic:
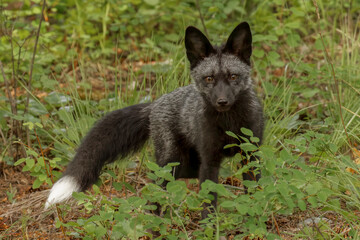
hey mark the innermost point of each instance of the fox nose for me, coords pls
(222, 101)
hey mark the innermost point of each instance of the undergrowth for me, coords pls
(100, 56)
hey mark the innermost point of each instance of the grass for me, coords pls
(310, 164)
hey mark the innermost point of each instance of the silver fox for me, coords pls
(187, 125)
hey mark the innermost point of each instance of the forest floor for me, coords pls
(25, 217)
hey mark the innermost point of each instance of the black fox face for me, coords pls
(220, 74)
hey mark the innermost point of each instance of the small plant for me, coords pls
(11, 194)
(37, 164)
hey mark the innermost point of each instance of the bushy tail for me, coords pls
(118, 134)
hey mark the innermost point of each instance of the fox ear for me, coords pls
(239, 42)
(197, 46)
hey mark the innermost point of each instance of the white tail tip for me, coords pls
(62, 190)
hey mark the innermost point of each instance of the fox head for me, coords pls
(221, 74)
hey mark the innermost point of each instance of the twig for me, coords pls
(201, 18)
(316, 226)
(32, 67)
(13, 64)
(329, 60)
(48, 173)
(7, 87)
(276, 225)
(13, 106)
(3, 137)
(16, 124)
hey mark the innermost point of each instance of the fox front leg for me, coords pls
(209, 170)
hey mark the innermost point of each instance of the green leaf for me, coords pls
(231, 134)
(36, 108)
(290, 202)
(37, 183)
(247, 132)
(210, 186)
(228, 204)
(293, 40)
(30, 162)
(111, 173)
(152, 2)
(209, 232)
(18, 162)
(32, 153)
(30, 125)
(37, 168)
(81, 221)
(176, 186)
(302, 204)
(313, 188)
(259, 53)
(193, 203)
(268, 152)
(178, 191)
(312, 201)
(106, 215)
(283, 189)
(324, 194)
(285, 156)
(270, 166)
(173, 164)
(48, 82)
(152, 166)
(42, 177)
(333, 148)
(222, 191)
(254, 139)
(80, 196)
(58, 223)
(41, 162)
(248, 147)
(231, 145)
(151, 176)
(118, 186)
(293, 24)
(242, 208)
(137, 202)
(96, 189)
(39, 125)
(129, 187)
(263, 38)
(309, 93)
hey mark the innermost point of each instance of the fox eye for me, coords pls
(233, 77)
(209, 79)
